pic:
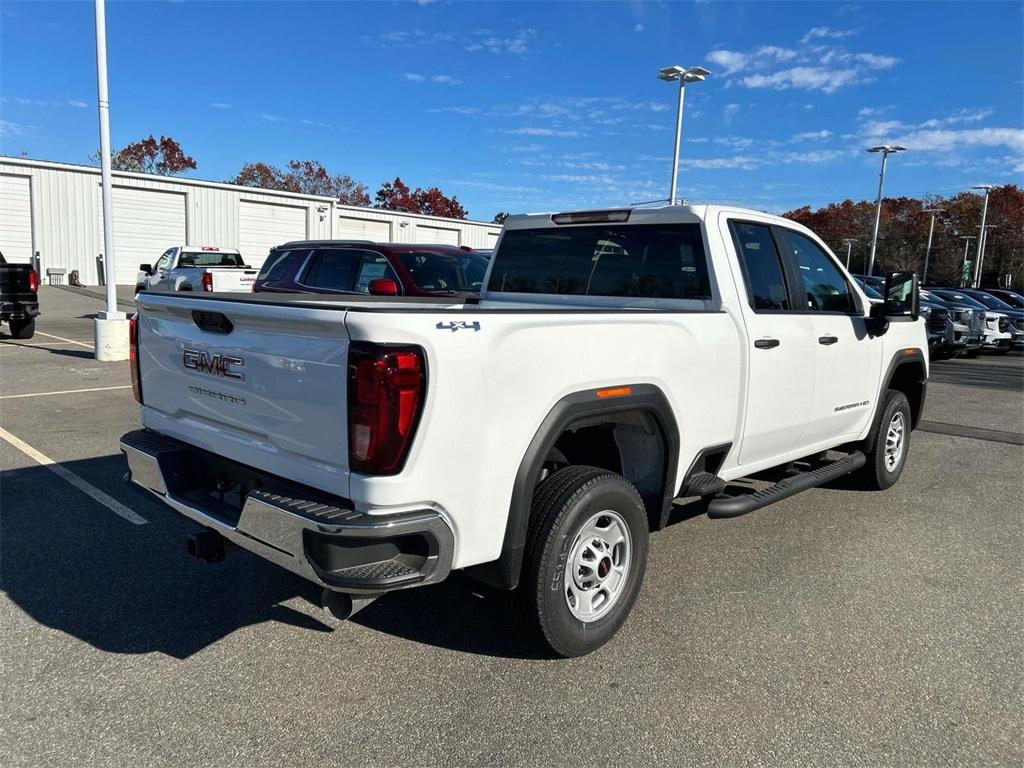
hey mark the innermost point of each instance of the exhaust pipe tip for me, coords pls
(343, 606)
(207, 546)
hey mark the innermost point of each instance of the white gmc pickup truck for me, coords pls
(616, 360)
(189, 268)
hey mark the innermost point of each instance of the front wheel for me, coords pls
(887, 455)
(585, 559)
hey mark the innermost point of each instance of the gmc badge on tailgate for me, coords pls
(217, 365)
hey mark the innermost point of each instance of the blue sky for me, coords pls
(539, 106)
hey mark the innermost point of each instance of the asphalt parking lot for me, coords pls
(835, 628)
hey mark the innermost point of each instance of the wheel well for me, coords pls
(630, 444)
(909, 378)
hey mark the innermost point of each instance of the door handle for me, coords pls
(827, 339)
(766, 343)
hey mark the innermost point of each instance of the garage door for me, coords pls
(16, 218)
(492, 239)
(261, 226)
(363, 229)
(146, 223)
(441, 235)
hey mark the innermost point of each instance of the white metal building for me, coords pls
(55, 210)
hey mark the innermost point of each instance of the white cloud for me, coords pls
(445, 80)
(817, 33)
(545, 132)
(810, 135)
(809, 78)
(875, 61)
(737, 162)
(270, 118)
(638, 28)
(516, 43)
(776, 53)
(7, 128)
(728, 62)
(78, 103)
(729, 111)
(951, 140)
(456, 110)
(579, 178)
(408, 38)
(413, 77)
(220, 105)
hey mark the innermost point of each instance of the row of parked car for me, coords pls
(965, 321)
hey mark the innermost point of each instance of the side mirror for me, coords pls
(902, 297)
(147, 268)
(382, 286)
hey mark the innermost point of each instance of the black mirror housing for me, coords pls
(902, 297)
(147, 268)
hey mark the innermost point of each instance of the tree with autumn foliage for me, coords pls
(307, 177)
(163, 156)
(903, 234)
(396, 196)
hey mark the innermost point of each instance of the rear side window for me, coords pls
(762, 269)
(824, 286)
(655, 261)
(279, 263)
(334, 270)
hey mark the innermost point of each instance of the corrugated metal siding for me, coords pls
(146, 223)
(66, 225)
(263, 225)
(16, 218)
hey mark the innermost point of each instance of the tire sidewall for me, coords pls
(567, 634)
(896, 402)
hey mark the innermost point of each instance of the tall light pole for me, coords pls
(849, 241)
(111, 325)
(684, 75)
(981, 238)
(967, 247)
(886, 150)
(928, 250)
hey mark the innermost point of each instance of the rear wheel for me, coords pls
(23, 329)
(887, 455)
(585, 559)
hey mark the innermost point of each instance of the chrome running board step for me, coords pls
(734, 506)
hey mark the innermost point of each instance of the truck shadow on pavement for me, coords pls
(73, 565)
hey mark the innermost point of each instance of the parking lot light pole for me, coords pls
(981, 236)
(886, 150)
(849, 241)
(110, 325)
(967, 247)
(928, 250)
(684, 75)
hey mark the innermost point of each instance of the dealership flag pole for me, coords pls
(111, 325)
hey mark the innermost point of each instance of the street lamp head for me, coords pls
(986, 187)
(933, 210)
(685, 74)
(888, 149)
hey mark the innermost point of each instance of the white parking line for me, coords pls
(61, 338)
(109, 502)
(65, 392)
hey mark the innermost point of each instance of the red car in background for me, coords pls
(364, 267)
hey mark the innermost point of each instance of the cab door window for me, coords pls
(822, 286)
(762, 268)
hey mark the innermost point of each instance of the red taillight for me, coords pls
(207, 281)
(133, 356)
(385, 396)
(33, 281)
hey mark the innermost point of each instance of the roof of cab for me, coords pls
(677, 214)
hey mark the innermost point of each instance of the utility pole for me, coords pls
(110, 325)
(849, 241)
(886, 150)
(981, 235)
(684, 75)
(928, 250)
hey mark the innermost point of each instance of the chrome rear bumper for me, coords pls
(320, 538)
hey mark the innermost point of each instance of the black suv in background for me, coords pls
(19, 298)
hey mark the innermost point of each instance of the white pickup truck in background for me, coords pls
(615, 360)
(192, 268)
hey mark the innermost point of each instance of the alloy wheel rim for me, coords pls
(895, 438)
(598, 566)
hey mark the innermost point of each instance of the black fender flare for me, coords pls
(579, 408)
(902, 357)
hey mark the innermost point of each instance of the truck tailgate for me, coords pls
(262, 384)
(234, 279)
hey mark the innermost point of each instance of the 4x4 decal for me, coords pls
(459, 325)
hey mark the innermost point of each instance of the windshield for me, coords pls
(961, 298)
(660, 261)
(1013, 299)
(444, 272)
(209, 259)
(991, 301)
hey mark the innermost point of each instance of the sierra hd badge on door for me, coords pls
(216, 365)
